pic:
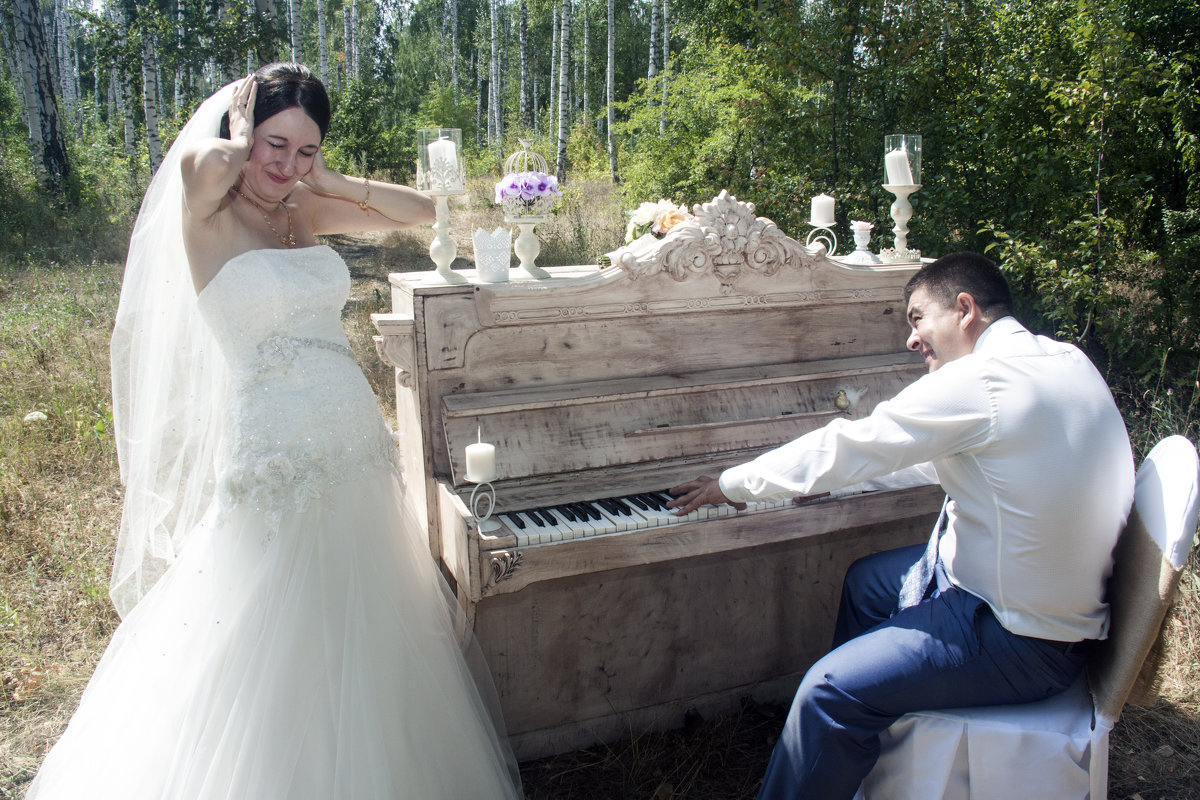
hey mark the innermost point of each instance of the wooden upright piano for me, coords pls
(602, 387)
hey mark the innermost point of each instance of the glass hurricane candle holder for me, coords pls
(902, 177)
(902, 159)
(440, 174)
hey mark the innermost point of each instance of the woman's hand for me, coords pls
(318, 178)
(241, 110)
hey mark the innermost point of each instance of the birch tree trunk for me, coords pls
(124, 99)
(587, 110)
(608, 95)
(150, 99)
(478, 94)
(666, 55)
(523, 36)
(552, 99)
(347, 41)
(494, 78)
(323, 42)
(180, 69)
(560, 163)
(294, 28)
(652, 70)
(32, 40)
(68, 79)
(23, 82)
(454, 48)
(354, 35)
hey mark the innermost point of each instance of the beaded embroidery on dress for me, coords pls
(302, 646)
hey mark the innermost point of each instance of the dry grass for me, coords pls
(60, 505)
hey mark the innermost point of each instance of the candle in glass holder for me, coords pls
(822, 211)
(898, 171)
(443, 161)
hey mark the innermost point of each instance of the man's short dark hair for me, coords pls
(966, 272)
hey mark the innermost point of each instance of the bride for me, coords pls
(285, 633)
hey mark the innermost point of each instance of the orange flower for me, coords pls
(668, 218)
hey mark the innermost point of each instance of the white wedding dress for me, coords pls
(302, 645)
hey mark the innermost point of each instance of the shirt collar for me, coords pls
(992, 334)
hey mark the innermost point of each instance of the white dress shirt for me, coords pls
(1029, 445)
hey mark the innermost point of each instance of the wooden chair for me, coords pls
(1058, 748)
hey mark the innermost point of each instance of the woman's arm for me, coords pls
(338, 203)
(213, 165)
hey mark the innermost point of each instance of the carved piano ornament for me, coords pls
(596, 610)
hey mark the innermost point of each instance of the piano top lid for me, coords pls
(721, 255)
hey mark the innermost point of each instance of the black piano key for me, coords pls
(623, 506)
(654, 501)
(609, 505)
(589, 511)
(516, 518)
(638, 501)
(549, 516)
(567, 512)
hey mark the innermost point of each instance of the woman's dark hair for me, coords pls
(285, 85)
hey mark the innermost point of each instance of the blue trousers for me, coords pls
(947, 652)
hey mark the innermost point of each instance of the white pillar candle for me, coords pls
(898, 171)
(481, 462)
(443, 163)
(822, 211)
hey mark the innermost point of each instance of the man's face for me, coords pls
(939, 334)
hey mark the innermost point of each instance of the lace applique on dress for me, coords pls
(302, 417)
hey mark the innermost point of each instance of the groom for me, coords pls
(1030, 447)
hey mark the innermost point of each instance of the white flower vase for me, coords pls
(527, 248)
(526, 215)
(493, 253)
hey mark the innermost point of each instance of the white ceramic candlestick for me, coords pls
(443, 250)
(527, 248)
(901, 214)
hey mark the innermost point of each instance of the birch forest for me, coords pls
(1061, 137)
(498, 69)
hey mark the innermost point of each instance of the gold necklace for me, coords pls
(290, 239)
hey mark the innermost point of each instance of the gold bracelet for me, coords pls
(364, 204)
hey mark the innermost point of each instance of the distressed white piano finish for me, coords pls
(690, 354)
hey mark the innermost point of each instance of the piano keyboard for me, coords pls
(611, 515)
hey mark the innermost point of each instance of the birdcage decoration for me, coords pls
(527, 191)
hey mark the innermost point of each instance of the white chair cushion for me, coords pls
(1031, 750)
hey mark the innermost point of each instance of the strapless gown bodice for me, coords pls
(301, 415)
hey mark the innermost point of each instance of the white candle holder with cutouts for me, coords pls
(441, 174)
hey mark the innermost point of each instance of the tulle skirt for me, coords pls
(314, 658)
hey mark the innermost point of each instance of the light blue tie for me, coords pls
(916, 580)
